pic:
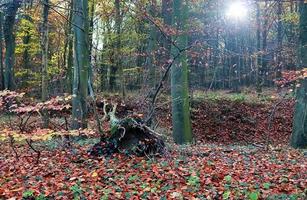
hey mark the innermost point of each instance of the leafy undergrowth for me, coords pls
(225, 121)
(192, 172)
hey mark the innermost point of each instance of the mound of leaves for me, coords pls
(228, 122)
(130, 137)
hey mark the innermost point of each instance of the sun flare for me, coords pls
(237, 10)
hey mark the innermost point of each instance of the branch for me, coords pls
(29, 142)
(162, 81)
(69, 21)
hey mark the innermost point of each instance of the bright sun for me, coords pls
(237, 10)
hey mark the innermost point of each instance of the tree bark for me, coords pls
(1, 53)
(44, 47)
(152, 41)
(69, 58)
(81, 64)
(279, 40)
(182, 132)
(258, 56)
(117, 68)
(9, 38)
(167, 19)
(299, 133)
(26, 40)
(264, 69)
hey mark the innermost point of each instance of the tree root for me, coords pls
(132, 138)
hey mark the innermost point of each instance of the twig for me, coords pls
(29, 142)
(11, 138)
(66, 123)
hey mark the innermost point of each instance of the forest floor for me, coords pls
(241, 152)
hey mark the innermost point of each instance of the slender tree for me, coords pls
(182, 132)
(117, 68)
(258, 57)
(167, 19)
(118, 45)
(69, 55)
(81, 64)
(299, 134)
(27, 6)
(151, 48)
(140, 30)
(44, 47)
(91, 25)
(9, 38)
(279, 39)
(1, 52)
(264, 70)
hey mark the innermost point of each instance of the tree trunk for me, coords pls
(44, 47)
(1, 53)
(167, 19)
(279, 40)
(26, 40)
(68, 54)
(150, 51)
(91, 26)
(9, 38)
(258, 56)
(118, 46)
(81, 64)
(299, 134)
(264, 70)
(117, 68)
(182, 132)
(91, 31)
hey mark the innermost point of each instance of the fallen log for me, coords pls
(129, 136)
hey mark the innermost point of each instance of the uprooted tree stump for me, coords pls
(129, 136)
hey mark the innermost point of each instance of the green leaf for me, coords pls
(27, 194)
(253, 196)
(193, 180)
(133, 178)
(228, 178)
(266, 185)
(226, 194)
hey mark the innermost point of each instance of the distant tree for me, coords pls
(299, 134)
(44, 47)
(10, 11)
(152, 41)
(81, 64)
(182, 132)
(68, 49)
(27, 6)
(167, 20)
(279, 40)
(264, 65)
(117, 68)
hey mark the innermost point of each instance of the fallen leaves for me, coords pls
(189, 172)
(245, 173)
(227, 122)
